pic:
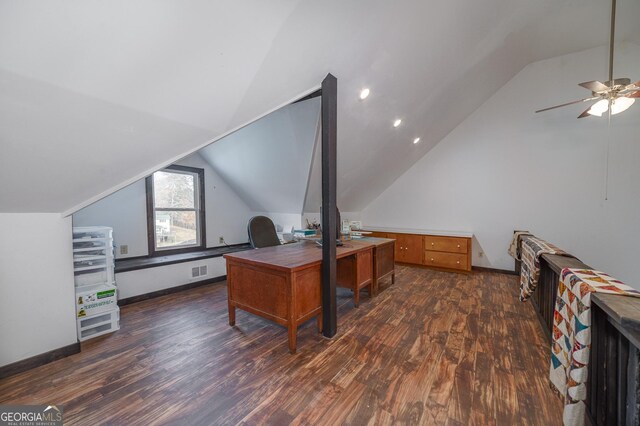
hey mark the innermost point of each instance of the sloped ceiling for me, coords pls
(95, 94)
(267, 163)
(59, 148)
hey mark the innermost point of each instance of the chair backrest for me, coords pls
(262, 232)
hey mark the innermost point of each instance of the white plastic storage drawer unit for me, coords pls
(97, 311)
(99, 324)
(93, 255)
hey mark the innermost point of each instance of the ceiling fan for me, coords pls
(615, 95)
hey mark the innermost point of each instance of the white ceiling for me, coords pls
(94, 94)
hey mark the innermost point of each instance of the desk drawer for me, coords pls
(446, 244)
(445, 260)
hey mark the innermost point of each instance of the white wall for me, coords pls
(311, 217)
(37, 312)
(227, 214)
(144, 281)
(283, 221)
(267, 163)
(126, 212)
(506, 168)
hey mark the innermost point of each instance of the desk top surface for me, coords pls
(291, 257)
(375, 240)
(461, 234)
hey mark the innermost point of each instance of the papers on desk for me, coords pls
(304, 232)
(359, 234)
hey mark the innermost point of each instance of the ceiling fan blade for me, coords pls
(569, 103)
(585, 113)
(634, 86)
(594, 86)
(620, 82)
(633, 95)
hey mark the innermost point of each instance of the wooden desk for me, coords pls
(283, 283)
(383, 260)
(356, 271)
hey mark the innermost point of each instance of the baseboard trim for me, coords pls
(498, 271)
(170, 290)
(38, 360)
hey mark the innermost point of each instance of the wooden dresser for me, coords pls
(442, 250)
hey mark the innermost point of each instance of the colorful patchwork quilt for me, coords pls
(572, 335)
(531, 250)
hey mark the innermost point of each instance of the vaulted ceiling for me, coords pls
(94, 94)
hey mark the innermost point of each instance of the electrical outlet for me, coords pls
(221, 240)
(124, 249)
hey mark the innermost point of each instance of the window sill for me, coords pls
(136, 263)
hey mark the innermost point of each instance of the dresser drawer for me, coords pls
(447, 244)
(445, 260)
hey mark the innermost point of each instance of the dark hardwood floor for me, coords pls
(435, 348)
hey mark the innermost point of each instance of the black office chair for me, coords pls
(262, 232)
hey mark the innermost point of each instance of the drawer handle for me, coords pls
(458, 262)
(458, 245)
(432, 259)
(433, 244)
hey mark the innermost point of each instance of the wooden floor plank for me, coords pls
(434, 348)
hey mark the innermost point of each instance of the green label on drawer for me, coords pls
(106, 293)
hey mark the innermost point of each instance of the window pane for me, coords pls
(176, 229)
(171, 190)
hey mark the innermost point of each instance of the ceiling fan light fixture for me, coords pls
(364, 93)
(397, 123)
(618, 94)
(599, 107)
(621, 104)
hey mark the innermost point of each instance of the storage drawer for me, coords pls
(97, 325)
(447, 244)
(445, 260)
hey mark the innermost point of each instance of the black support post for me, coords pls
(329, 209)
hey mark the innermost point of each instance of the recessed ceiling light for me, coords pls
(416, 140)
(397, 122)
(364, 93)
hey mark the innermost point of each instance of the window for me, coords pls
(175, 210)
